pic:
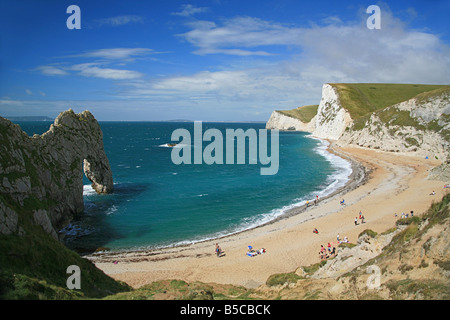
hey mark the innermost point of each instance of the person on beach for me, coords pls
(342, 202)
(356, 221)
(329, 247)
(315, 231)
(338, 240)
(219, 251)
(323, 253)
(334, 251)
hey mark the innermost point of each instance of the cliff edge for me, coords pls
(405, 118)
(41, 177)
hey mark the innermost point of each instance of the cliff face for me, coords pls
(41, 177)
(419, 125)
(280, 121)
(414, 126)
(332, 118)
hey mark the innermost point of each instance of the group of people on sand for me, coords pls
(327, 253)
(316, 201)
(405, 215)
(251, 252)
(361, 217)
(331, 247)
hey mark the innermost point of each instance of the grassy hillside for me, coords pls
(304, 114)
(359, 99)
(33, 265)
(362, 99)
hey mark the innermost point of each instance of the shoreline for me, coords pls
(390, 182)
(357, 177)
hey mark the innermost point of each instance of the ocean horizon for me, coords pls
(157, 203)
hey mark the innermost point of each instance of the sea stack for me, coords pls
(41, 177)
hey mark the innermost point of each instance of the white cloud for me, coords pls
(92, 70)
(28, 91)
(120, 20)
(99, 68)
(189, 10)
(117, 53)
(238, 33)
(334, 52)
(251, 85)
(51, 71)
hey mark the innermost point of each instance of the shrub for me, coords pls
(282, 278)
(370, 233)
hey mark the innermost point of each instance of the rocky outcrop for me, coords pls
(281, 121)
(332, 119)
(41, 177)
(349, 258)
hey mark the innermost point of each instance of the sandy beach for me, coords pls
(393, 184)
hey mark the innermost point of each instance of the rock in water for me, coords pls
(41, 176)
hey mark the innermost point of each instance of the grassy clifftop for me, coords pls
(362, 99)
(359, 99)
(304, 114)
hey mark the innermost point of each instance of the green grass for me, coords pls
(304, 114)
(425, 289)
(360, 99)
(282, 278)
(363, 99)
(369, 232)
(34, 264)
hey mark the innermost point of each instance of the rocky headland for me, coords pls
(41, 177)
(409, 119)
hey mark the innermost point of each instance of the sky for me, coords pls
(213, 60)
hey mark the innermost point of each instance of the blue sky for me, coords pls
(211, 60)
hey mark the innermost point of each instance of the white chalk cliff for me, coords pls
(425, 132)
(281, 121)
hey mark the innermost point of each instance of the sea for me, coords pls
(157, 203)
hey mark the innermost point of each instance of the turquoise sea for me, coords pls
(157, 203)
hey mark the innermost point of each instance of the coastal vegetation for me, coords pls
(304, 113)
(36, 273)
(359, 99)
(34, 265)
